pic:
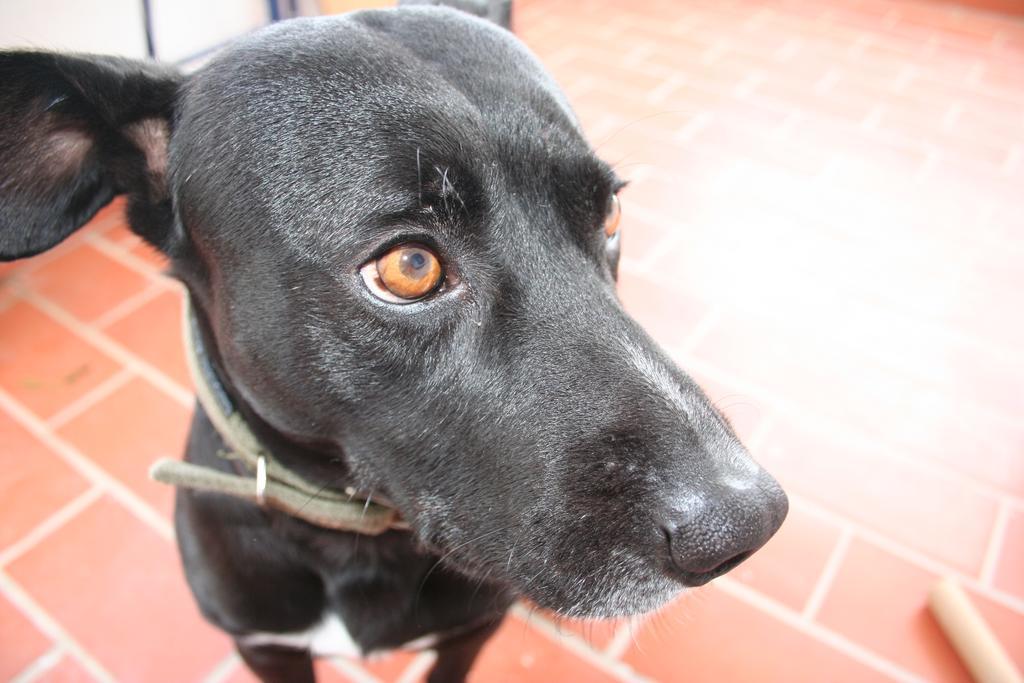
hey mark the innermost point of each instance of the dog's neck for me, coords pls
(333, 504)
(208, 369)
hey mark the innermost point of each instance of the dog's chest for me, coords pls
(327, 638)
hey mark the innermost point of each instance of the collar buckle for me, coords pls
(261, 479)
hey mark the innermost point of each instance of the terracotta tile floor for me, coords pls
(825, 225)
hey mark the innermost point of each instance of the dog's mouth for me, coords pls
(617, 591)
(605, 554)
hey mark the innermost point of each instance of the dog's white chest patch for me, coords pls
(328, 638)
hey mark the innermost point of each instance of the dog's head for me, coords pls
(403, 254)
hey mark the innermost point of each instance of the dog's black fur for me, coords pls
(536, 439)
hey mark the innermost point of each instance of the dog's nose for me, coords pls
(711, 531)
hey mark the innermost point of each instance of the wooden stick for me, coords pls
(970, 636)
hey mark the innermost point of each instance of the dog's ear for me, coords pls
(75, 130)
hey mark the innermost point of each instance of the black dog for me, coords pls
(401, 256)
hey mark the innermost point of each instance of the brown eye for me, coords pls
(409, 271)
(611, 221)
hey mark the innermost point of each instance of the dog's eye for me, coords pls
(611, 221)
(406, 273)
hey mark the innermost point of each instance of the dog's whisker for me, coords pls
(449, 553)
(508, 565)
(323, 487)
(534, 610)
(448, 188)
(444, 184)
(529, 581)
(479, 584)
(419, 177)
(628, 124)
(632, 632)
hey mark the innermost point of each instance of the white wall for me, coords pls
(105, 26)
(181, 28)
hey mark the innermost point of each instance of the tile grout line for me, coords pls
(574, 644)
(130, 261)
(701, 330)
(828, 575)
(580, 86)
(760, 433)
(784, 132)
(220, 672)
(40, 260)
(909, 555)
(814, 630)
(644, 266)
(897, 548)
(994, 548)
(111, 221)
(655, 96)
(89, 399)
(126, 243)
(42, 665)
(351, 670)
(561, 56)
(111, 348)
(51, 627)
(637, 54)
(659, 216)
(48, 526)
(995, 351)
(86, 467)
(418, 667)
(692, 128)
(585, 638)
(787, 407)
(625, 635)
(833, 428)
(1015, 504)
(128, 306)
(864, 41)
(1013, 158)
(602, 131)
(930, 147)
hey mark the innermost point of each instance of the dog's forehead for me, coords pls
(343, 107)
(396, 73)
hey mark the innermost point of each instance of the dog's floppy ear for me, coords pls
(75, 130)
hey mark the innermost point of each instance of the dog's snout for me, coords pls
(709, 533)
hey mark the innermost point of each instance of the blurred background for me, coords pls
(825, 226)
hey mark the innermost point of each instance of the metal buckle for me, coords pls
(261, 479)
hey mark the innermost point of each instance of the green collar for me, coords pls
(270, 483)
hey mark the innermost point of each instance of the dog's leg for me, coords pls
(455, 657)
(276, 664)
